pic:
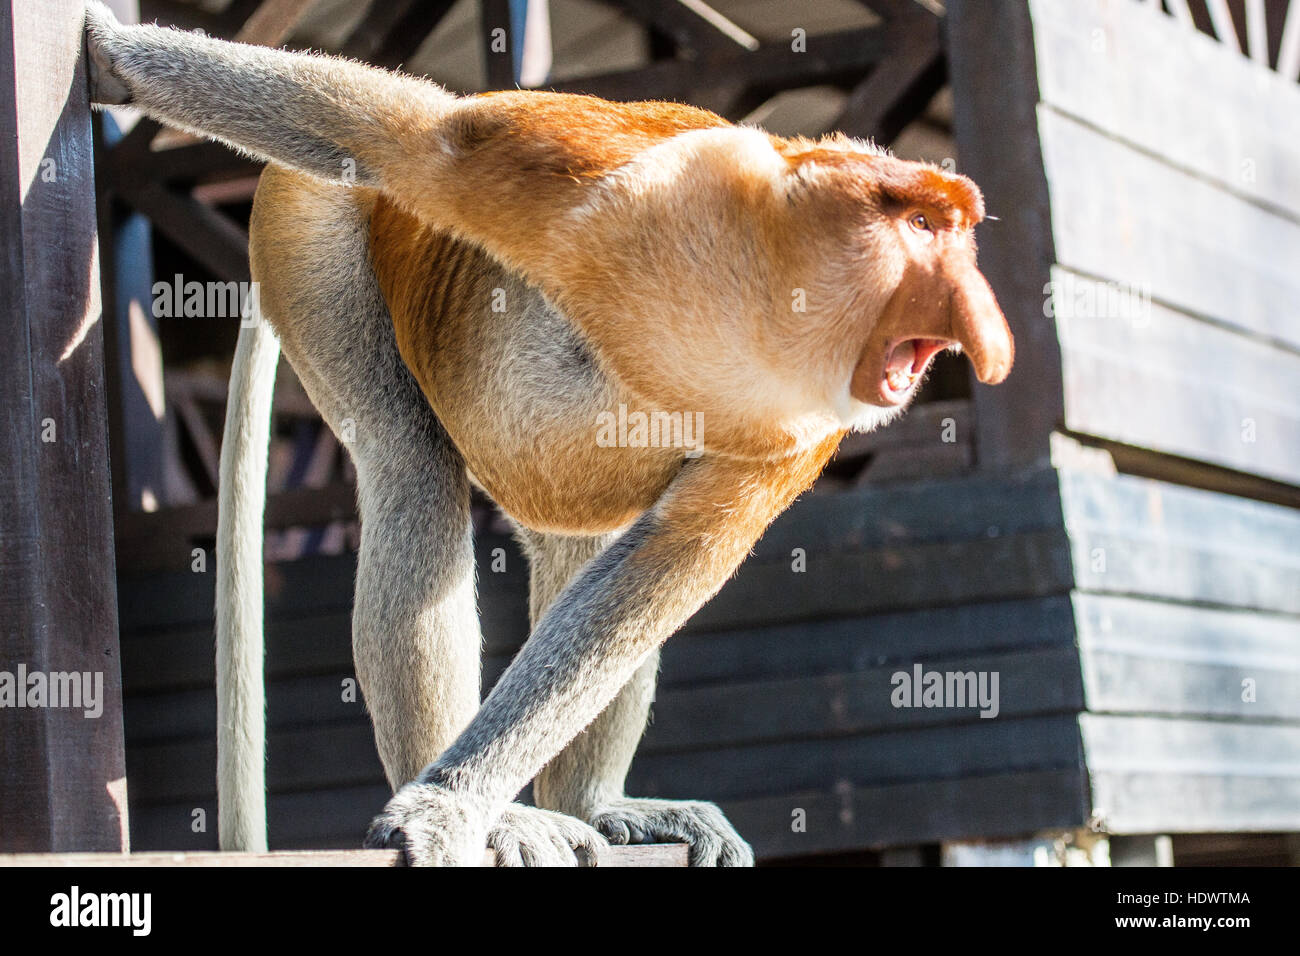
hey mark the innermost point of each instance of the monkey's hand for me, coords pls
(700, 825)
(530, 836)
(102, 29)
(435, 826)
(432, 826)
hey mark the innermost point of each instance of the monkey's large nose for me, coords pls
(980, 326)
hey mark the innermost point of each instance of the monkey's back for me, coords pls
(522, 395)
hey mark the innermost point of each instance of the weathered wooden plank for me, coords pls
(1140, 537)
(846, 583)
(996, 129)
(62, 783)
(1125, 216)
(775, 63)
(1154, 775)
(291, 858)
(948, 510)
(1093, 55)
(1037, 681)
(180, 659)
(170, 660)
(865, 552)
(809, 648)
(834, 817)
(815, 708)
(914, 753)
(321, 818)
(924, 424)
(1145, 375)
(842, 817)
(656, 854)
(310, 585)
(298, 759)
(1152, 657)
(343, 755)
(918, 463)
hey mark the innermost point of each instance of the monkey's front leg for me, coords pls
(586, 779)
(603, 627)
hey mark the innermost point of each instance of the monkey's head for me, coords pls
(787, 286)
(893, 244)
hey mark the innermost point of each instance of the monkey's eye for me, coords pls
(921, 224)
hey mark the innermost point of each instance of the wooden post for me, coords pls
(1144, 850)
(993, 71)
(62, 771)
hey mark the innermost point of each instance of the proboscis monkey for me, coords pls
(472, 286)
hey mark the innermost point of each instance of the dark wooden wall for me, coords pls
(776, 697)
(1145, 625)
(61, 772)
(1144, 176)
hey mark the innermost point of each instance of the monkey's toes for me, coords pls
(529, 836)
(101, 27)
(431, 826)
(713, 841)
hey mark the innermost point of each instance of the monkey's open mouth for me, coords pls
(905, 364)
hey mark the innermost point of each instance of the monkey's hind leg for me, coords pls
(416, 639)
(415, 631)
(586, 780)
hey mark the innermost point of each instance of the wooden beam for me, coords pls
(995, 124)
(498, 51)
(273, 21)
(62, 772)
(657, 855)
(391, 32)
(840, 54)
(209, 236)
(692, 25)
(164, 538)
(898, 89)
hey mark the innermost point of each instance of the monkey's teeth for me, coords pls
(900, 381)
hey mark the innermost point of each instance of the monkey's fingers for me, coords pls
(713, 841)
(105, 87)
(529, 836)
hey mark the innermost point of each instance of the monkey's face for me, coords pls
(909, 231)
(941, 300)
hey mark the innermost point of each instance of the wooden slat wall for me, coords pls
(61, 781)
(1174, 194)
(1164, 380)
(776, 698)
(789, 708)
(1188, 624)
(1197, 206)
(1122, 614)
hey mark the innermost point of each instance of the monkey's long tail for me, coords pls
(241, 692)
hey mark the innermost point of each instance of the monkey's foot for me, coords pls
(432, 826)
(711, 837)
(529, 836)
(101, 29)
